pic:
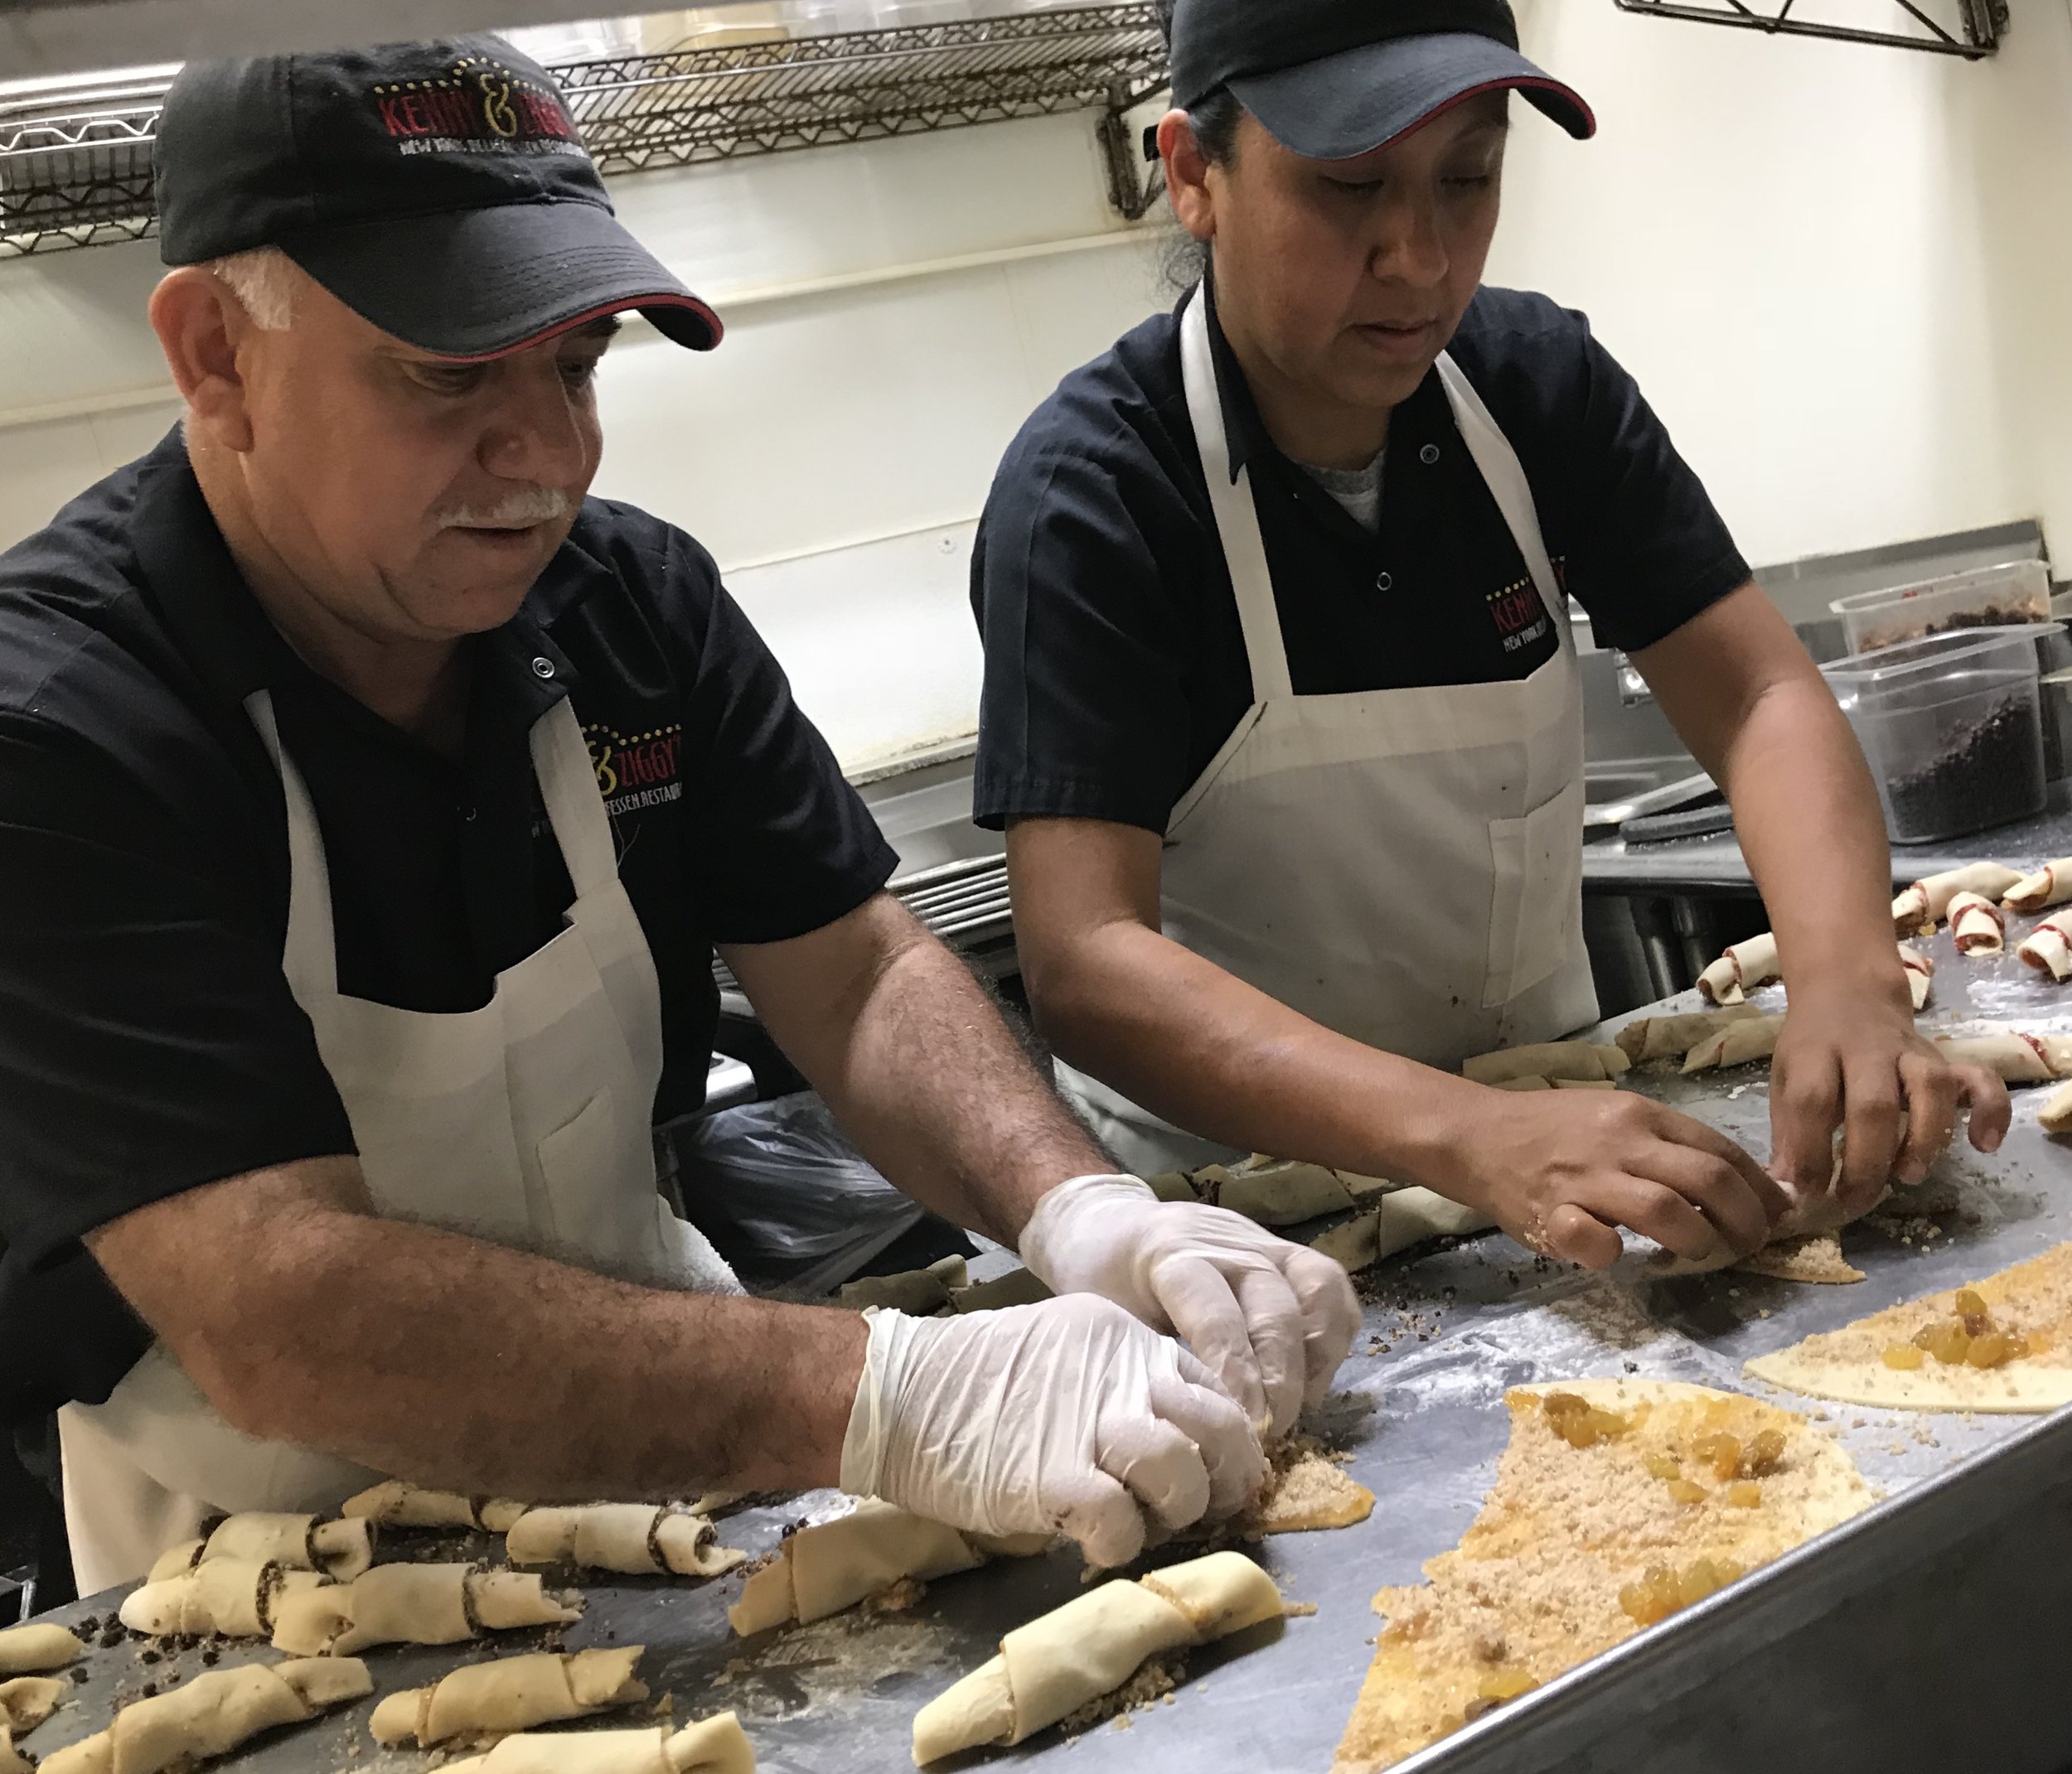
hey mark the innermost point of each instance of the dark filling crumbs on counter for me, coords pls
(1991, 774)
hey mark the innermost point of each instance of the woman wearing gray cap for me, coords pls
(1282, 715)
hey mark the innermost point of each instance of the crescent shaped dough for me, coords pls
(1649, 1041)
(2055, 1116)
(1090, 1646)
(2029, 1298)
(2015, 1058)
(1273, 1192)
(1547, 1059)
(1404, 1217)
(1737, 1044)
(414, 1604)
(514, 1694)
(1977, 926)
(1920, 975)
(395, 1504)
(28, 1700)
(34, 1650)
(919, 1292)
(1921, 907)
(2048, 948)
(212, 1715)
(11, 1760)
(637, 1539)
(342, 1550)
(2050, 885)
(833, 1565)
(713, 1745)
(234, 1597)
(1743, 966)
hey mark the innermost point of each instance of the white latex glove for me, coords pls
(1068, 1417)
(1272, 1319)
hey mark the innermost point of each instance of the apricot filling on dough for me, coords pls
(1661, 1591)
(1581, 1423)
(1967, 1338)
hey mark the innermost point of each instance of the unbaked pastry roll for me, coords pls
(1546, 1059)
(917, 1292)
(833, 1565)
(2048, 948)
(638, 1538)
(713, 1745)
(2014, 1057)
(1922, 906)
(2055, 1116)
(1737, 1044)
(1920, 975)
(1273, 1192)
(1977, 926)
(35, 1649)
(342, 1550)
(395, 1504)
(1533, 1083)
(1171, 1186)
(212, 1715)
(25, 1701)
(2050, 885)
(1651, 1040)
(1744, 966)
(1090, 1646)
(1018, 1287)
(237, 1597)
(1404, 1217)
(415, 1604)
(11, 1760)
(486, 1700)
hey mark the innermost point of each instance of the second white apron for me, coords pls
(1404, 866)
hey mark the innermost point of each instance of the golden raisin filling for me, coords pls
(1662, 1591)
(1967, 1338)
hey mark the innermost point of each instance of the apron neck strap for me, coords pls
(310, 957)
(1237, 516)
(1504, 476)
(575, 807)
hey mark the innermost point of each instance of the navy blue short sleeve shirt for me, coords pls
(148, 1041)
(1115, 664)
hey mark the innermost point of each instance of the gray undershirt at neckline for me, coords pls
(1357, 491)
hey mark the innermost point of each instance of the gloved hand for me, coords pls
(1066, 1416)
(1271, 1320)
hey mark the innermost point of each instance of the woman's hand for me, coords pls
(1850, 1059)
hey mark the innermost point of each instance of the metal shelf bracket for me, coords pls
(1975, 34)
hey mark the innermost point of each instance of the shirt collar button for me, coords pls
(543, 668)
(1428, 454)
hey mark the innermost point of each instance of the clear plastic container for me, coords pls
(2001, 596)
(1952, 727)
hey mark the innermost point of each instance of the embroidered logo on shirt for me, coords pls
(638, 771)
(480, 108)
(1520, 616)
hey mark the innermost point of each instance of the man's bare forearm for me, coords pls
(455, 1363)
(921, 1070)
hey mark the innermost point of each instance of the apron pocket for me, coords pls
(1535, 915)
(578, 1166)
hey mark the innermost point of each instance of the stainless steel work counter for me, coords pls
(1716, 865)
(1932, 1633)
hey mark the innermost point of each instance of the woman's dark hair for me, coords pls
(1216, 120)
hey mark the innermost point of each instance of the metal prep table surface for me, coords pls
(1420, 1409)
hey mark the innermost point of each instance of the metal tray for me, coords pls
(1932, 1632)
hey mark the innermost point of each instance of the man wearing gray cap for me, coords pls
(1282, 715)
(371, 802)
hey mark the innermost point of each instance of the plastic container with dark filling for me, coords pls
(1952, 727)
(2010, 595)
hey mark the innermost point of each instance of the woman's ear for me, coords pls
(1187, 175)
(200, 323)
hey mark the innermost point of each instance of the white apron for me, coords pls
(526, 1121)
(1405, 866)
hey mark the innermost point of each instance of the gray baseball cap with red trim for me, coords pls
(440, 190)
(1332, 79)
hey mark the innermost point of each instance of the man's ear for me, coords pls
(201, 324)
(1187, 175)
